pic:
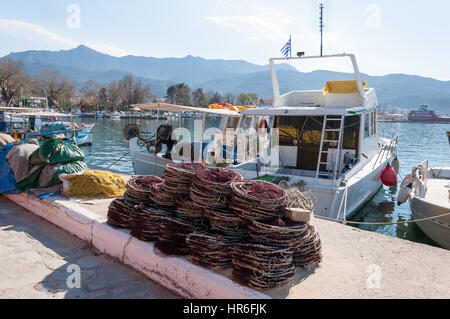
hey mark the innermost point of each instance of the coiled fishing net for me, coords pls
(309, 251)
(146, 223)
(257, 200)
(139, 189)
(189, 211)
(211, 188)
(160, 197)
(173, 234)
(227, 222)
(119, 213)
(179, 177)
(211, 250)
(280, 232)
(263, 267)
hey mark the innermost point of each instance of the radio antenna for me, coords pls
(321, 29)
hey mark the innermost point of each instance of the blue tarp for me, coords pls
(7, 179)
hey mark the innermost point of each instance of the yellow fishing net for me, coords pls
(97, 184)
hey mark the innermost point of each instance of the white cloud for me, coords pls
(269, 27)
(33, 32)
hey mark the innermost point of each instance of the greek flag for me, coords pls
(286, 49)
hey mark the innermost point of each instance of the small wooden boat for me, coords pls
(431, 197)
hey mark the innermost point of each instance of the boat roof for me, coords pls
(44, 114)
(304, 111)
(180, 108)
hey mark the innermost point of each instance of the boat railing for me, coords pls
(386, 149)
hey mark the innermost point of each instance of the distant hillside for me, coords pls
(82, 64)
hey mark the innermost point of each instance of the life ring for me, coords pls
(263, 130)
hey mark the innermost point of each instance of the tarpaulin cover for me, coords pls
(7, 179)
(341, 87)
(56, 152)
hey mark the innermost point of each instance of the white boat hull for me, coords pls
(438, 230)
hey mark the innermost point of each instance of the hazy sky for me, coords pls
(401, 36)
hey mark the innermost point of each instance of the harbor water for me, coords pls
(417, 142)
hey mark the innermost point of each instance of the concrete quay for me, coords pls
(357, 264)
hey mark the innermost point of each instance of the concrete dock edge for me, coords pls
(173, 273)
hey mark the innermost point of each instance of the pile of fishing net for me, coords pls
(263, 267)
(211, 188)
(211, 250)
(189, 211)
(139, 189)
(279, 232)
(211, 192)
(309, 251)
(257, 200)
(146, 223)
(93, 184)
(160, 197)
(227, 222)
(179, 177)
(173, 235)
(119, 213)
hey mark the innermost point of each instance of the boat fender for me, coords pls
(404, 194)
(396, 165)
(389, 177)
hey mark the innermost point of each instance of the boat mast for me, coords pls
(321, 29)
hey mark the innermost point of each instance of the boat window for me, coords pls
(247, 123)
(351, 133)
(366, 125)
(232, 122)
(375, 122)
(289, 129)
(371, 123)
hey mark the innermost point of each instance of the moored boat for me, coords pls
(429, 197)
(325, 140)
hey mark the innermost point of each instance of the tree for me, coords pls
(179, 94)
(113, 93)
(247, 99)
(213, 97)
(13, 81)
(229, 98)
(133, 92)
(56, 87)
(199, 99)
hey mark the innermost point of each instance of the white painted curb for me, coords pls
(174, 273)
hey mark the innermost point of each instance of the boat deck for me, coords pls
(438, 192)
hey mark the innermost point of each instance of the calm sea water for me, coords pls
(417, 143)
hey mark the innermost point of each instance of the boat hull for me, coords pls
(438, 230)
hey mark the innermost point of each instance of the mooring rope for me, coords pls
(384, 224)
(118, 160)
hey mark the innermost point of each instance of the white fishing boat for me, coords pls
(428, 190)
(326, 140)
(150, 156)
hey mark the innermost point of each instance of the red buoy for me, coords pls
(389, 177)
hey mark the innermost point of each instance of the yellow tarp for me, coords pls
(342, 87)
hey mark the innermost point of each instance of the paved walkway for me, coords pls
(35, 257)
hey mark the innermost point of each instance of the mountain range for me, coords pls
(235, 76)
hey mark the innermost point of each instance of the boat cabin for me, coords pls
(322, 134)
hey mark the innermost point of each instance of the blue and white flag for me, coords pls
(286, 49)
